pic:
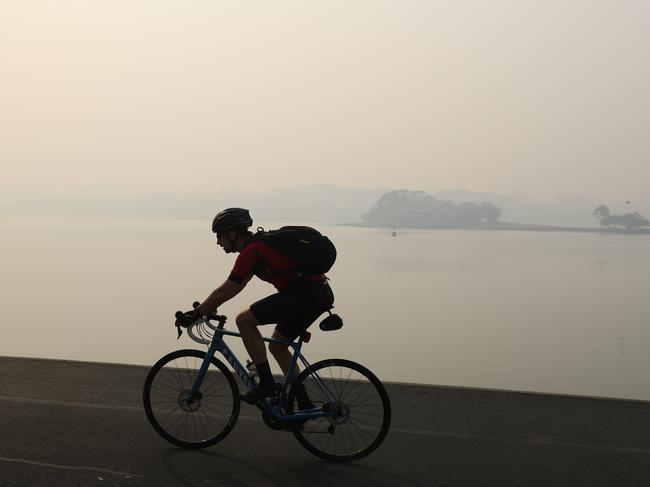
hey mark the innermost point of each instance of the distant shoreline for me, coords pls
(515, 227)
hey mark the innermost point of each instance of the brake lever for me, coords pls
(178, 327)
(178, 314)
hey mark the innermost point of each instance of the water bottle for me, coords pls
(252, 370)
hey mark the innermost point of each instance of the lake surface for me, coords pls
(534, 311)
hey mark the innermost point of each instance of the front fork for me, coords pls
(202, 371)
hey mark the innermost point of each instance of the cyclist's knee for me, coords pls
(246, 319)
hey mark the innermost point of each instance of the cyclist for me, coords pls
(295, 306)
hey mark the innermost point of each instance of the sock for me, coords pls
(264, 369)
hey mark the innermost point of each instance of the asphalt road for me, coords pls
(77, 424)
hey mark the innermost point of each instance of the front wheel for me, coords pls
(359, 405)
(196, 422)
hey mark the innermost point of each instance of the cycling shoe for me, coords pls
(258, 394)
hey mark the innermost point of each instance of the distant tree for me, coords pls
(612, 221)
(469, 214)
(418, 209)
(601, 212)
(635, 220)
(491, 213)
(629, 221)
(403, 208)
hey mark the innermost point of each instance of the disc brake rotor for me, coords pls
(187, 405)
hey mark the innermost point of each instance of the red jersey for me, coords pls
(268, 264)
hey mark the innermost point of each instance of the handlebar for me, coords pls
(221, 319)
(209, 317)
(195, 305)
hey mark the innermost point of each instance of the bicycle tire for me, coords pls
(198, 424)
(364, 405)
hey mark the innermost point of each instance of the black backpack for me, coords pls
(314, 253)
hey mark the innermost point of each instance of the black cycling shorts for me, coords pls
(294, 309)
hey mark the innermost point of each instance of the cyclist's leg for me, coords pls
(251, 336)
(282, 355)
(309, 304)
(293, 310)
(254, 343)
(271, 309)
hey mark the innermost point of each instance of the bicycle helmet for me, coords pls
(231, 219)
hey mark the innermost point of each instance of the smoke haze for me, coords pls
(128, 98)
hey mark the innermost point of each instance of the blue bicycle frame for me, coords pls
(275, 410)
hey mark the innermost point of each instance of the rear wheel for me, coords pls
(360, 404)
(195, 422)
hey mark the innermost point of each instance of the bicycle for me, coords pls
(192, 399)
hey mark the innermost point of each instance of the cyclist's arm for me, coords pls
(223, 293)
(241, 273)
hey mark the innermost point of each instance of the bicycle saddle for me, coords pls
(331, 323)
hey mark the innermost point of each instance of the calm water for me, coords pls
(553, 312)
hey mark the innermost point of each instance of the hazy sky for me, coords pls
(131, 97)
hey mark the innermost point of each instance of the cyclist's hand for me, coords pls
(186, 319)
